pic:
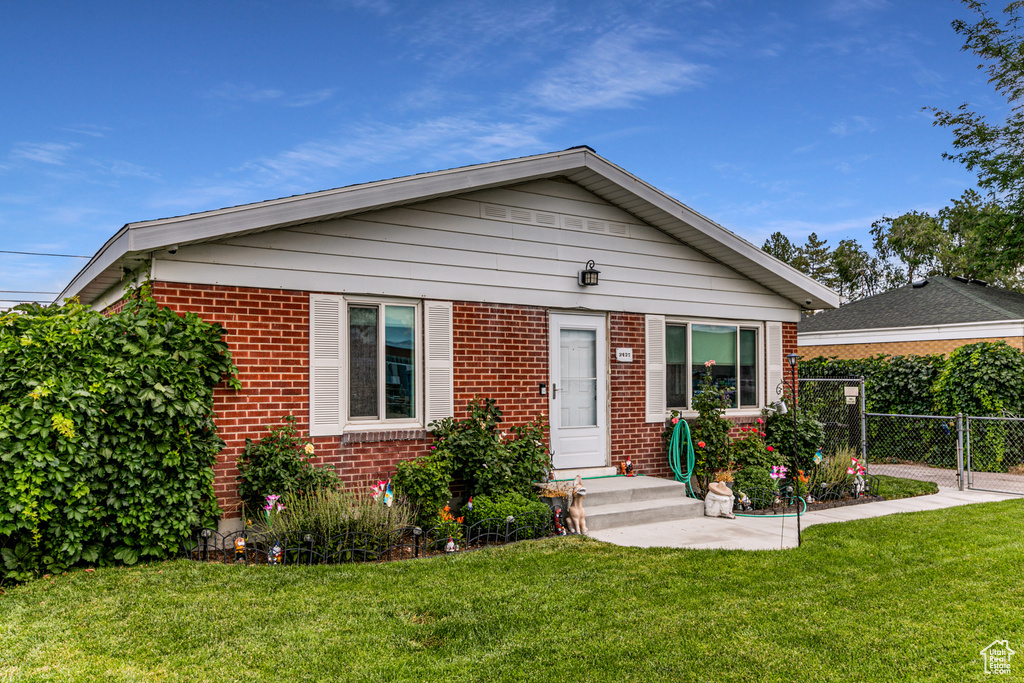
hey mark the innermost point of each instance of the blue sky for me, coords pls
(786, 115)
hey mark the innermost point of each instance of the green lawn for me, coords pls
(903, 597)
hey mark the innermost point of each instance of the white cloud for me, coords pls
(851, 126)
(845, 10)
(233, 92)
(52, 153)
(439, 141)
(616, 70)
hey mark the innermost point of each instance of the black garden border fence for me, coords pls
(774, 501)
(266, 547)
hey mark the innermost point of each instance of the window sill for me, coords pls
(730, 413)
(390, 433)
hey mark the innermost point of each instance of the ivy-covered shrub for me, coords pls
(897, 384)
(278, 464)
(426, 481)
(107, 439)
(984, 380)
(486, 458)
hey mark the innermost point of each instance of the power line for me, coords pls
(35, 253)
(30, 291)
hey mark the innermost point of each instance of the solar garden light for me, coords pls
(793, 479)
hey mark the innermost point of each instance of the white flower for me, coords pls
(309, 449)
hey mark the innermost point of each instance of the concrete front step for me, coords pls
(613, 502)
(642, 512)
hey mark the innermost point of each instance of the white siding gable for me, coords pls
(522, 244)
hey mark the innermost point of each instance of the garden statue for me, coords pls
(629, 467)
(577, 519)
(275, 554)
(622, 468)
(451, 547)
(559, 529)
(240, 549)
(858, 485)
(744, 502)
(469, 504)
(718, 501)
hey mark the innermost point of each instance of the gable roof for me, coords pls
(940, 301)
(135, 241)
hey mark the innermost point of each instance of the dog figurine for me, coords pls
(577, 517)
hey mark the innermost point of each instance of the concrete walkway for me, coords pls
(768, 532)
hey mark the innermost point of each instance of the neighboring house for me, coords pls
(371, 310)
(933, 315)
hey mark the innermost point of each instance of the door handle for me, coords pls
(554, 391)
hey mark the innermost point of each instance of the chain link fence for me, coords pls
(995, 454)
(837, 403)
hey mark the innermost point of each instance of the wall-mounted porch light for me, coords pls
(588, 276)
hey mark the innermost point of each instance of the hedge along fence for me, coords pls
(985, 379)
(107, 438)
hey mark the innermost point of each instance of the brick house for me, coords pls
(933, 315)
(371, 310)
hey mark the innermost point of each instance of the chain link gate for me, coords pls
(838, 404)
(923, 447)
(995, 454)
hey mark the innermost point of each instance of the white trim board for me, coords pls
(980, 330)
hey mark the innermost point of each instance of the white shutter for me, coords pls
(774, 362)
(326, 380)
(438, 361)
(654, 357)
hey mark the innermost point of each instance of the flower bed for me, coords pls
(268, 547)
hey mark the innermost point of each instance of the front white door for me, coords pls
(578, 388)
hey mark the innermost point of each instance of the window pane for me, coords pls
(675, 366)
(362, 361)
(717, 343)
(399, 355)
(748, 367)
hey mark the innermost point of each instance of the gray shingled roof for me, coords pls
(942, 301)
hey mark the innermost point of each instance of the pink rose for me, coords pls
(770, 449)
(700, 444)
(760, 421)
(675, 420)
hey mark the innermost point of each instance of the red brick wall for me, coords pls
(501, 352)
(631, 435)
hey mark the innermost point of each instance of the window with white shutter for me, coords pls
(367, 366)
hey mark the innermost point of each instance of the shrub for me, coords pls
(710, 436)
(810, 435)
(506, 505)
(485, 458)
(426, 482)
(107, 439)
(751, 450)
(752, 477)
(279, 464)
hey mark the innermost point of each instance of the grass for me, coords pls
(891, 488)
(903, 597)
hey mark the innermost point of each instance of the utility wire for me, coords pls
(30, 291)
(34, 253)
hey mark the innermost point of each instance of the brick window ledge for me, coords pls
(388, 435)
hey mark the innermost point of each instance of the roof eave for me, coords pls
(140, 239)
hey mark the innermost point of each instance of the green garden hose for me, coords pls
(674, 458)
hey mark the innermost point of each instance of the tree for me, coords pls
(779, 246)
(914, 238)
(995, 151)
(819, 260)
(858, 273)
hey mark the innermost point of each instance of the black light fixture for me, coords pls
(588, 276)
(794, 474)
